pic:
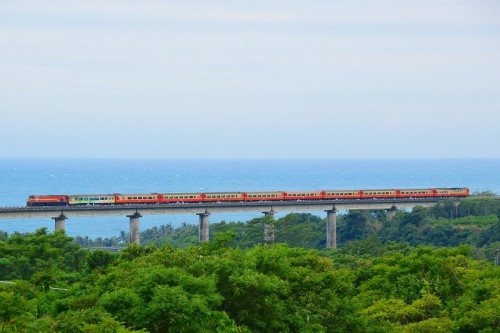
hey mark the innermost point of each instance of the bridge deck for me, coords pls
(200, 208)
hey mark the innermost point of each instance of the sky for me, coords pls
(250, 79)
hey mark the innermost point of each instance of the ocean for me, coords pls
(20, 178)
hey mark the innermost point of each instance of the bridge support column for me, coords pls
(391, 212)
(331, 229)
(134, 228)
(204, 227)
(60, 222)
(269, 227)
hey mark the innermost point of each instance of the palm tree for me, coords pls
(123, 237)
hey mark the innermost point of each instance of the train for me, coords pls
(168, 198)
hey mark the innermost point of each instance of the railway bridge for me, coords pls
(203, 210)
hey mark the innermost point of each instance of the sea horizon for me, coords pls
(21, 177)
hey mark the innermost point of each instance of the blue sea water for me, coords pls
(21, 177)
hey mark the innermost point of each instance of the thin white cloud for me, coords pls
(330, 69)
(364, 12)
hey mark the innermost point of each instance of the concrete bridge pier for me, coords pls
(269, 227)
(60, 222)
(134, 236)
(204, 227)
(391, 212)
(331, 229)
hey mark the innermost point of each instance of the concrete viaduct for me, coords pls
(203, 210)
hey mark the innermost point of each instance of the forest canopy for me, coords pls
(422, 271)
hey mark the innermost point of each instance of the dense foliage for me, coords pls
(380, 280)
(366, 286)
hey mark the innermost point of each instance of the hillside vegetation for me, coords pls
(420, 272)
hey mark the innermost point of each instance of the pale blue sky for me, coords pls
(246, 79)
